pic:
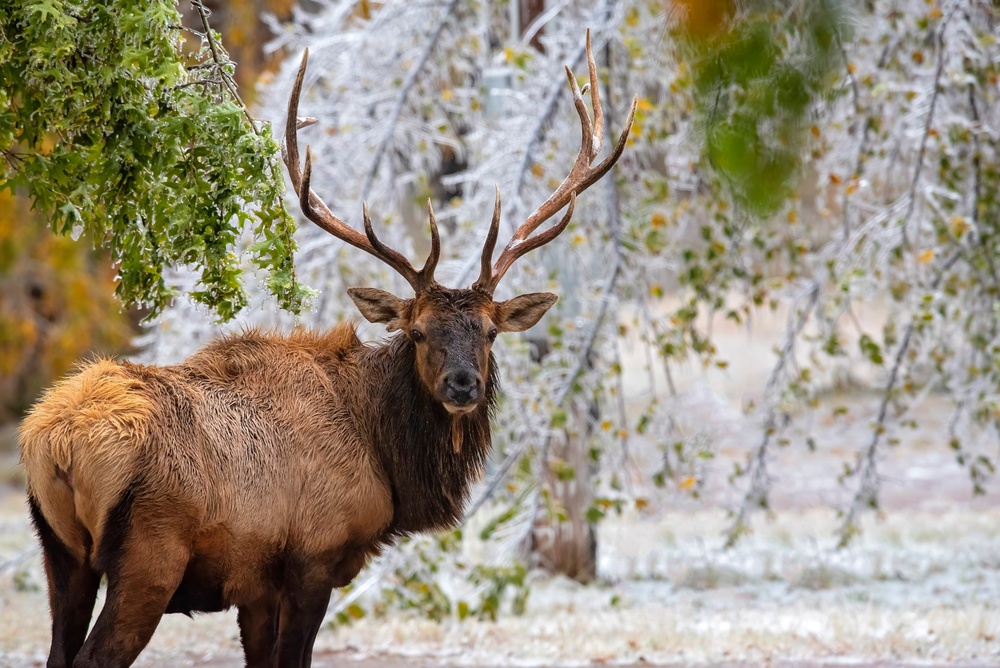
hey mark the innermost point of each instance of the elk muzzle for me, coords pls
(462, 390)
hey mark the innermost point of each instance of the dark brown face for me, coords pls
(453, 332)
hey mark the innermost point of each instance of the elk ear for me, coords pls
(379, 306)
(520, 313)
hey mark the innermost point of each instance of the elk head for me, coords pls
(453, 329)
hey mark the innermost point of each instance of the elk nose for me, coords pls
(462, 387)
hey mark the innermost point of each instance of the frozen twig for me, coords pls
(372, 578)
(935, 92)
(866, 469)
(404, 92)
(759, 485)
(220, 62)
(18, 559)
(865, 134)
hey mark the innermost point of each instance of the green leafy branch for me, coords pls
(102, 129)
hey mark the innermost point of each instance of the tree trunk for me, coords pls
(562, 539)
(529, 11)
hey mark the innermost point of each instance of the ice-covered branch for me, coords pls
(404, 92)
(935, 93)
(866, 469)
(18, 559)
(759, 486)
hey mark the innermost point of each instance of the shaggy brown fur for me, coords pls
(260, 473)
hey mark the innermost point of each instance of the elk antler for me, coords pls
(581, 176)
(317, 211)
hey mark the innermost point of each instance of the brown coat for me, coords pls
(256, 446)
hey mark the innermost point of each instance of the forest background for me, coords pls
(785, 297)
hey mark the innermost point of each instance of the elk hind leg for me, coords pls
(72, 592)
(146, 562)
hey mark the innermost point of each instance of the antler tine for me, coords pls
(485, 272)
(529, 244)
(581, 176)
(595, 99)
(390, 256)
(427, 272)
(290, 143)
(317, 211)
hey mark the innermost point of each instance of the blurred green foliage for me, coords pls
(757, 70)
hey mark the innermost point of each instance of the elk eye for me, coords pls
(492, 334)
(417, 335)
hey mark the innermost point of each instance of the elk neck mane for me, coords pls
(411, 436)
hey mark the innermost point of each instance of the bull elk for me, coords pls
(265, 470)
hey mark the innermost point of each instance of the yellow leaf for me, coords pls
(793, 216)
(659, 220)
(632, 17)
(447, 94)
(687, 483)
(959, 225)
(641, 503)
(926, 257)
(656, 290)
(537, 170)
(606, 425)
(644, 104)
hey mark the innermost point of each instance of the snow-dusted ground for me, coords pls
(920, 586)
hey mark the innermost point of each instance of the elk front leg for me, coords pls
(302, 613)
(303, 601)
(259, 632)
(304, 607)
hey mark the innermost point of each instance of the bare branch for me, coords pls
(918, 170)
(757, 491)
(217, 55)
(18, 559)
(404, 92)
(866, 470)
